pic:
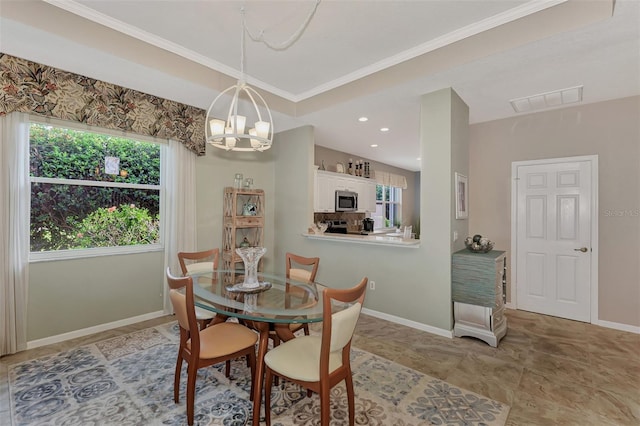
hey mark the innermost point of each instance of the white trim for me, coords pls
(594, 225)
(489, 23)
(409, 323)
(102, 184)
(618, 326)
(46, 256)
(92, 330)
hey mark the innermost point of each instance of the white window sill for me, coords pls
(47, 256)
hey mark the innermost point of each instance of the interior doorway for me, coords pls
(554, 237)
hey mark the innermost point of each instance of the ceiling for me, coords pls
(355, 58)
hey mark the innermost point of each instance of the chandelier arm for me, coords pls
(287, 43)
(248, 90)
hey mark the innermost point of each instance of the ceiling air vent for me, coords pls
(547, 100)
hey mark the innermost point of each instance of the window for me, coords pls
(92, 192)
(388, 206)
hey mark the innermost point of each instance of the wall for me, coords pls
(412, 284)
(410, 212)
(69, 295)
(610, 130)
(214, 172)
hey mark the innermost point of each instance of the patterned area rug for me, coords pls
(128, 380)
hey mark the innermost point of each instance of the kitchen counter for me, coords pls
(372, 239)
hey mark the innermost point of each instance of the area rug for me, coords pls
(128, 380)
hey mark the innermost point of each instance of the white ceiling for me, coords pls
(347, 45)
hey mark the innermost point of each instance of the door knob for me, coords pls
(582, 249)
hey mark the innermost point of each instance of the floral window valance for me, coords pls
(26, 86)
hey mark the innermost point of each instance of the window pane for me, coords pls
(71, 154)
(379, 192)
(73, 216)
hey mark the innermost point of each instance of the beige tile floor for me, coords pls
(549, 370)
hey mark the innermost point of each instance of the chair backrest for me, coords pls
(296, 272)
(199, 261)
(184, 307)
(338, 328)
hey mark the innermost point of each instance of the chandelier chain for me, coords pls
(287, 43)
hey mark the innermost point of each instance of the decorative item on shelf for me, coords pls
(249, 209)
(237, 181)
(366, 169)
(247, 105)
(322, 166)
(245, 243)
(248, 183)
(478, 244)
(339, 167)
(350, 169)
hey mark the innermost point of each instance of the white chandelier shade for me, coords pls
(247, 108)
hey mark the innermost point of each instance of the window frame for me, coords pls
(42, 256)
(398, 194)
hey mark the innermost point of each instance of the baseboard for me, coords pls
(409, 323)
(92, 330)
(617, 326)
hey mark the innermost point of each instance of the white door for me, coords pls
(554, 247)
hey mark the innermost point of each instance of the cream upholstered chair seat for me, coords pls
(224, 338)
(320, 362)
(299, 359)
(201, 348)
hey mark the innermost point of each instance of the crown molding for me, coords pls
(526, 9)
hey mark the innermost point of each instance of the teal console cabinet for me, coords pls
(478, 289)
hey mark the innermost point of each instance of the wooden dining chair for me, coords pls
(302, 269)
(199, 262)
(201, 348)
(320, 362)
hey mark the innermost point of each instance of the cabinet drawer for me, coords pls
(247, 221)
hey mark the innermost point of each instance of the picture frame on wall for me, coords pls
(462, 196)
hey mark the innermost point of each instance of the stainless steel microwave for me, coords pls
(346, 201)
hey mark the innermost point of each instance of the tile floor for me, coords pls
(549, 370)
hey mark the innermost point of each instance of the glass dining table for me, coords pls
(272, 307)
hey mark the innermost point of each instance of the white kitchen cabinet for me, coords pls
(327, 183)
(324, 198)
(366, 196)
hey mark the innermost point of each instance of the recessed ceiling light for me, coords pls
(547, 100)
(384, 129)
(374, 145)
(363, 119)
(418, 158)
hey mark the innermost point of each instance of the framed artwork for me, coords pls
(462, 196)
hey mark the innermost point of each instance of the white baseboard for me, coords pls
(409, 323)
(92, 330)
(617, 326)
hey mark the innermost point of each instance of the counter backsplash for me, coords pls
(354, 220)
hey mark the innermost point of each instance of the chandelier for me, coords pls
(246, 123)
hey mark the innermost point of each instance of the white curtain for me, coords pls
(15, 197)
(180, 208)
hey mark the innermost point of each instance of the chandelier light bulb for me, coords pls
(237, 123)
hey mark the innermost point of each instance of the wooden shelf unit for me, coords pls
(236, 225)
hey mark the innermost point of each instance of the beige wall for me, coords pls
(70, 295)
(410, 196)
(610, 130)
